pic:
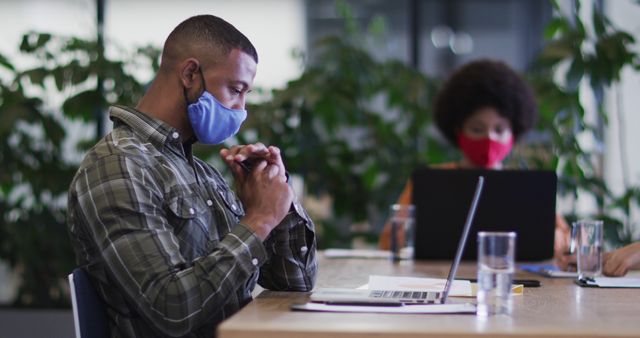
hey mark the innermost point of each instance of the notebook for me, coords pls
(631, 280)
(355, 296)
(523, 201)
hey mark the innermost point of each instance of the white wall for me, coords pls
(59, 17)
(275, 27)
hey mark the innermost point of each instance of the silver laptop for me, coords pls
(390, 297)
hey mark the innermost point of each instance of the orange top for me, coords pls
(407, 192)
(405, 198)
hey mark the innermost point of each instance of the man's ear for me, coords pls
(190, 73)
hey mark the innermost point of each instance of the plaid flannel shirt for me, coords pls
(158, 231)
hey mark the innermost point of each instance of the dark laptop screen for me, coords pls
(513, 200)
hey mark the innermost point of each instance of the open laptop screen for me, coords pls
(513, 200)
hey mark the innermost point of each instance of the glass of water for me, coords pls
(402, 219)
(496, 266)
(589, 248)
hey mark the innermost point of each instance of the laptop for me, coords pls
(523, 201)
(389, 297)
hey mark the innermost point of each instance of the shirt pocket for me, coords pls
(230, 200)
(190, 218)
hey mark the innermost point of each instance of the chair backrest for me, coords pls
(89, 314)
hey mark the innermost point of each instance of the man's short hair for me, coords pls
(205, 34)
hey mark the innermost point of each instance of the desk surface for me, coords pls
(557, 309)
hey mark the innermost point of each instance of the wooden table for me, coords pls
(557, 309)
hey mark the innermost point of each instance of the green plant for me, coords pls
(352, 126)
(596, 58)
(37, 167)
(32, 233)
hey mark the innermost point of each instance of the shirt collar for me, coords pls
(147, 128)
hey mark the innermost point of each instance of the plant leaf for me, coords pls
(83, 105)
(4, 62)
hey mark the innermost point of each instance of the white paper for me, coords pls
(459, 287)
(633, 274)
(415, 309)
(616, 282)
(560, 273)
(356, 253)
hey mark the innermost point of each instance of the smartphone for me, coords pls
(246, 165)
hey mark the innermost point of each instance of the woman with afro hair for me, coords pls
(483, 109)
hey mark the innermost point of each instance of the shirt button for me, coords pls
(254, 261)
(191, 211)
(175, 135)
(233, 206)
(304, 249)
(209, 203)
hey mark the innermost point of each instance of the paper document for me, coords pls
(613, 282)
(459, 287)
(409, 309)
(356, 253)
(516, 289)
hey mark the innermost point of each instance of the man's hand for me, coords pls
(617, 263)
(240, 158)
(263, 190)
(249, 154)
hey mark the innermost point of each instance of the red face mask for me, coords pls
(484, 152)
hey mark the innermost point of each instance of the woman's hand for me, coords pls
(617, 263)
(562, 255)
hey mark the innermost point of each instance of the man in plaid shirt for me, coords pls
(168, 246)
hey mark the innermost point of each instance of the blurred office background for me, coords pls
(429, 38)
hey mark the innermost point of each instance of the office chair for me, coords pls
(89, 314)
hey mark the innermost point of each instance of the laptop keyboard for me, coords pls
(409, 296)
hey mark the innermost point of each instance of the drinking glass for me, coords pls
(589, 239)
(402, 221)
(496, 265)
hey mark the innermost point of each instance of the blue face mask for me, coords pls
(212, 122)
